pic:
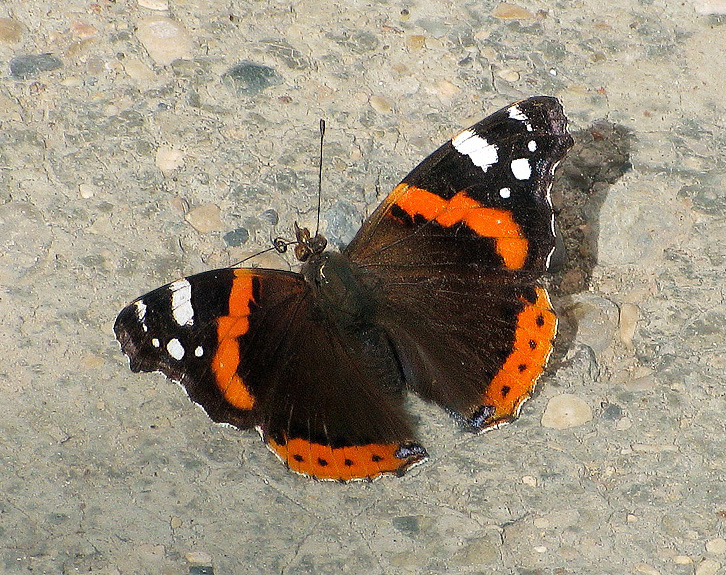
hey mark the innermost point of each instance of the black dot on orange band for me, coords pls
(298, 458)
(505, 390)
(322, 462)
(532, 344)
(348, 463)
(522, 367)
(540, 320)
(376, 458)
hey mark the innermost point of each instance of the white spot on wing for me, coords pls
(553, 229)
(141, 314)
(548, 261)
(554, 167)
(505, 193)
(199, 351)
(480, 152)
(175, 349)
(181, 302)
(532, 146)
(155, 342)
(141, 310)
(521, 169)
(516, 114)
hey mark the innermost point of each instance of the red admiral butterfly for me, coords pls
(437, 293)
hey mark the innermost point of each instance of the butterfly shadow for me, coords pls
(599, 158)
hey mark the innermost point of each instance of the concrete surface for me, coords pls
(138, 145)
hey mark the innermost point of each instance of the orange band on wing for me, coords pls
(342, 463)
(226, 361)
(535, 331)
(510, 242)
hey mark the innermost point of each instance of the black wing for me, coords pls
(455, 252)
(251, 348)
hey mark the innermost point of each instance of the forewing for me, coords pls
(190, 330)
(481, 200)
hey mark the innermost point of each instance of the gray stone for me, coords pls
(236, 237)
(248, 78)
(29, 66)
(270, 216)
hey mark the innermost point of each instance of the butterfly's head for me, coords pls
(307, 246)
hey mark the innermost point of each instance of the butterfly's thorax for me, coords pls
(337, 289)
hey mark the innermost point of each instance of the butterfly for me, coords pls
(437, 294)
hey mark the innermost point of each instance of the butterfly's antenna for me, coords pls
(278, 244)
(320, 174)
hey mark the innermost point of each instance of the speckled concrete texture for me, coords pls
(142, 141)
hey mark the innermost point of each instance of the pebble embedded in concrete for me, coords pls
(565, 411)
(708, 567)
(206, 218)
(169, 158)
(629, 314)
(165, 40)
(716, 546)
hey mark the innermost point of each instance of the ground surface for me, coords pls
(120, 171)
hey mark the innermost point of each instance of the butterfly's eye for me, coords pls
(303, 252)
(318, 244)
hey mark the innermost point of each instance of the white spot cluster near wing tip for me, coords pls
(516, 114)
(482, 154)
(141, 310)
(175, 349)
(521, 168)
(181, 302)
(141, 314)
